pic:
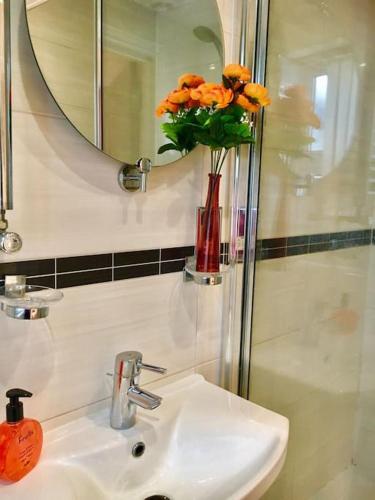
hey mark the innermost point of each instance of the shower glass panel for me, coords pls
(313, 335)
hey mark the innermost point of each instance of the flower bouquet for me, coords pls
(216, 115)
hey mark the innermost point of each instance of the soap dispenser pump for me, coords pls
(21, 439)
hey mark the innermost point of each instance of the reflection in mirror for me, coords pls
(109, 62)
(316, 117)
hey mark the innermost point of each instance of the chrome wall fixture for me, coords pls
(9, 242)
(127, 395)
(133, 178)
(19, 300)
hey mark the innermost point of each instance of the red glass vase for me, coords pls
(207, 248)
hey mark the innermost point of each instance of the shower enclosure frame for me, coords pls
(253, 51)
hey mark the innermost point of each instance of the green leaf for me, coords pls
(168, 147)
(202, 116)
(207, 140)
(227, 118)
(240, 129)
(216, 116)
(220, 128)
(173, 130)
(236, 111)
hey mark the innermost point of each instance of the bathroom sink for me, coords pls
(202, 443)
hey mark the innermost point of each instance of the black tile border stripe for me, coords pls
(172, 266)
(67, 280)
(81, 263)
(137, 257)
(138, 271)
(28, 267)
(274, 248)
(176, 253)
(64, 272)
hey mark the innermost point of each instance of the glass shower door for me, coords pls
(313, 334)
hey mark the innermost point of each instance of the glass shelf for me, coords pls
(32, 303)
(207, 279)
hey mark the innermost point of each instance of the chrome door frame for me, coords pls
(259, 56)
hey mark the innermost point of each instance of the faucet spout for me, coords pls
(143, 398)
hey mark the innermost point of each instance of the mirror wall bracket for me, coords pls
(9, 242)
(133, 178)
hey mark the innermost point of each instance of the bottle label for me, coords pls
(22, 449)
(26, 448)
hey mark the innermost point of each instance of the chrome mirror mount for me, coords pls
(133, 178)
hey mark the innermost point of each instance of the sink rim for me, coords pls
(58, 441)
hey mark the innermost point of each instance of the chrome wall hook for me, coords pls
(133, 178)
(9, 242)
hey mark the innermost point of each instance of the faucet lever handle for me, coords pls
(151, 368)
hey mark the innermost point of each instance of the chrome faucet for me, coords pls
(127, 395)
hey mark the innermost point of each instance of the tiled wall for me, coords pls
(68, 203)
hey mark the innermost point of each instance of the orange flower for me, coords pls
(190, 81)
(257, 92)
(246, 104)
(212, 94)
(254, 97)
(166, 107)
(237, 72)
(191, 103)
(179, 96)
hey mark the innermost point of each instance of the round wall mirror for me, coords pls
(108, 63)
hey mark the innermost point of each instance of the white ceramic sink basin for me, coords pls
(202, 443)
